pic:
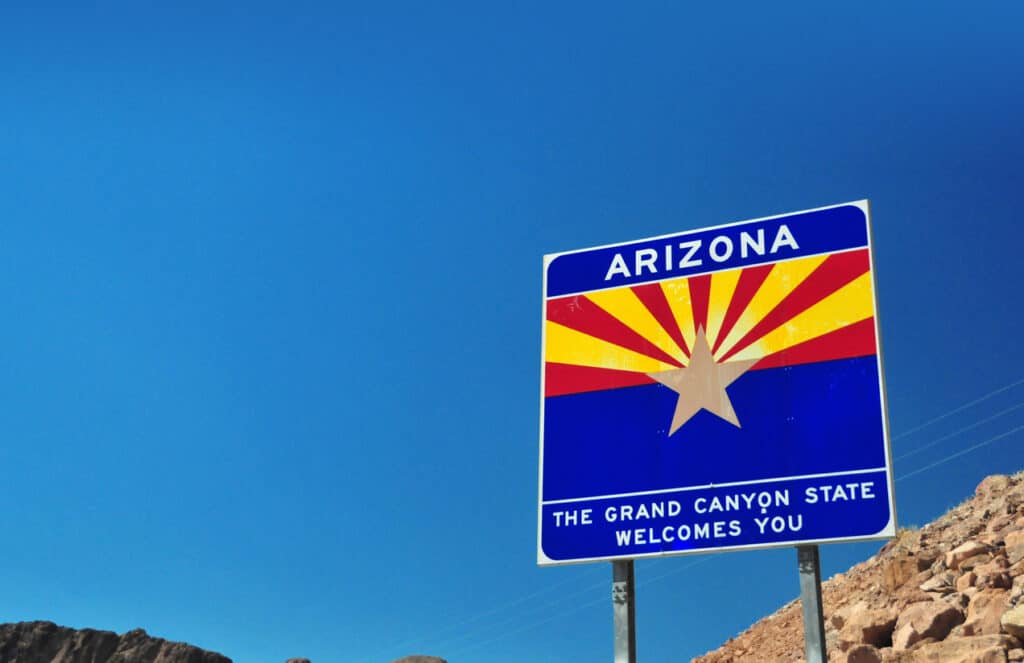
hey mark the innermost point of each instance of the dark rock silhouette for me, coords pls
(45, 642)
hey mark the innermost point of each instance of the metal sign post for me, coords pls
(810, 600)
(624, 608)
(714, 389)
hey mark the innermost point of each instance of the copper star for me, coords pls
(701, 385)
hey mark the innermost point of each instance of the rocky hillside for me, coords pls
(950, 592)
(45, 642)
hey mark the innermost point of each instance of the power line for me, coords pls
(980, 399)
(578, 607)
(961, 430)
(490, 611)
(961, 453)
(561, 613)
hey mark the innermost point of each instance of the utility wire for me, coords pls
(578, 607)
(969, 449)
(535, 624)
(490, 611)
(961, 430)
(980, 399)
(652, 579)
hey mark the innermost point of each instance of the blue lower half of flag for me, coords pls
(795, 421)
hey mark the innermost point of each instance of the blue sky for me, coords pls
(272, 280)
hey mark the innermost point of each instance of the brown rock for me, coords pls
(1001, 580)
(863, 654)
(998, 563)
(45, 642)
(1014, 546)
(1012, 622)
(966, 580)
(908, 596)
(958, 600)
(964, 551)
(984, 611)
(987, 522)
(976, 560)
(941, 583)
(420, 659)
(979, 649)
(869, 627)
(993, 485)
(297, 660)
(925, 620)
(1001, 522)
(898, 571)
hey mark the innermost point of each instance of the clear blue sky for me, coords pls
(272, 289)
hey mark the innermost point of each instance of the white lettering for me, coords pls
(618, 266)
(720, 241)
(846, 492)
(748, 242)
(690, 247)
(645, 258)
(784, 238)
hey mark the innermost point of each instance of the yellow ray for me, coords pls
(568, 346)
(784, 277)
(723, 285)
(677, 293)
(849, 304)
(624, 305)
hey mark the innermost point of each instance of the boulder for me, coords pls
(863, 654)
(975, 560)
(925, 620)
(869, 627)
(964, 551)
(984, 611)
(979, 649)
(1014, 542)
(966, 580)
(993, 485)
(898, 571)
(1012, 622)
(941, 583)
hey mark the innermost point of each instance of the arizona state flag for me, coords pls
(716, 389)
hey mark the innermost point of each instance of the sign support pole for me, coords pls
(810, 599)
(624, 609)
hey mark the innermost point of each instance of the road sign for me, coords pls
(713, 390)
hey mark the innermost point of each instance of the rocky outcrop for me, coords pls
(45, 642)
(420, 659)
(951, 592)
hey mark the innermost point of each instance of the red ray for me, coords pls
(700, 293)
(835, 272)
(561, 379)
(581, 314)
(750, 280)
(653, 297)
(856, 340)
